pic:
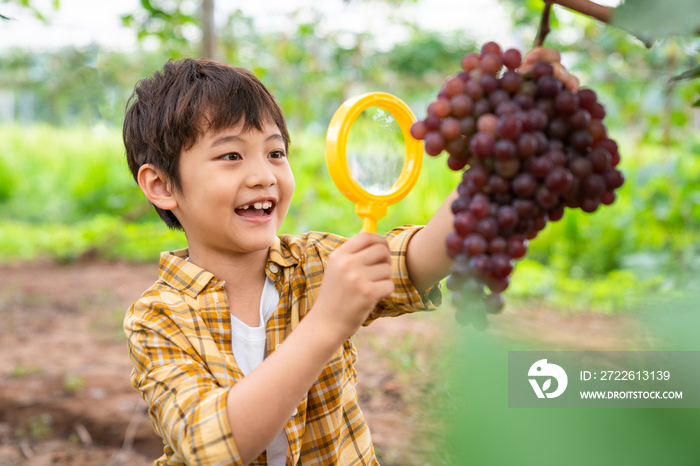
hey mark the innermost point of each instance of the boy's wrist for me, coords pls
(333, 331)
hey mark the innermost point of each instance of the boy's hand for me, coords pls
(553, 56)
(357, 276)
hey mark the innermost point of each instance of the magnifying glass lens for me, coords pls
(376, 150)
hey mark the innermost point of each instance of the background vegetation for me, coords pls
(65, 190)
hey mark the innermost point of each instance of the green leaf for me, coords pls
(654, 19)
(697, 104)
(692, 73)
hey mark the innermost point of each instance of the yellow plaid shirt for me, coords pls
(179, 339)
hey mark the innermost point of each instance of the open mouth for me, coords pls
(256, 210)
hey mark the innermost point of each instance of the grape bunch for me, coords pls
(532, 149)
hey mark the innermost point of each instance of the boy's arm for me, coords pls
(357, 275)
(426, 257)
(260, 405)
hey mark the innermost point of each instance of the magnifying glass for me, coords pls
(371, 206)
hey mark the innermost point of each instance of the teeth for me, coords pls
(258, 205)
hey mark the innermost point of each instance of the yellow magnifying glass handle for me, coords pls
(371, 207)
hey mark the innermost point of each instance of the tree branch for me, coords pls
(586, 7)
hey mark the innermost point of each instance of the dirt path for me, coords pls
(65, 396)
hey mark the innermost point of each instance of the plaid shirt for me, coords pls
(179, 339)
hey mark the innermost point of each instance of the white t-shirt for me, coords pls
(249, 350)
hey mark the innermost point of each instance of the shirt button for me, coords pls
(277, 345)
(296, 411)
(274, 268)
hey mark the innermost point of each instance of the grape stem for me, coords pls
(585, 7)
(544, 25)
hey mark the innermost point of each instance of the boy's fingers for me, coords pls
(383, 288)
(553, 56)
(542, 54)
(375, 254)
(378, 272)
(362, 241)
(560, 72)
(572, 83)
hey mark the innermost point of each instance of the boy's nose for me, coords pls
(260, 175)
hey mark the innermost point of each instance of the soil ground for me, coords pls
(66, 398)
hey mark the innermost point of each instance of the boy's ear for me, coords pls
(156, 187)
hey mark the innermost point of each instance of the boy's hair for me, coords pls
(169, 111)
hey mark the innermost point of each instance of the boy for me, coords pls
(226, 379)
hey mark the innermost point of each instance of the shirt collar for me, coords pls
(179, 273)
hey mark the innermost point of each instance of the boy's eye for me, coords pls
(277, 154)
(231, 156)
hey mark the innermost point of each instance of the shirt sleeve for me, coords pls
(405, 299)
(186, 404)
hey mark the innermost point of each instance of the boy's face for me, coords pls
(221, 175)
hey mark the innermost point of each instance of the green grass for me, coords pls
(65, 193)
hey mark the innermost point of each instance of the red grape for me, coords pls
(541, 166)
(524, 185)
(489, 83)
(474, 245)
(481, 145)
(607, 198)
(432, 123)
(434, 143)
(581, 119)
(497, 245)
(461, 105)
(490, 47)
(450, 128)
(460, 204)
(509, 127)
(548, 86)
(566, 102)
(487, 228)
(507, 217)
(471, 61)
(505, 149)
(600, 160)
(587, 98)
(541, 69)
(465, 223)
(454, 244)
(517, 247)
(613, 178)
(511, 81)
(580, 166)
(512, 58)
(501, 265)
(440, 108)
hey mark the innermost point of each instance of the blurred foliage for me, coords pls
(40, 13)
(174, 24)
(310, 73)
(649, 19)
(81, 199)
(481, 429)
